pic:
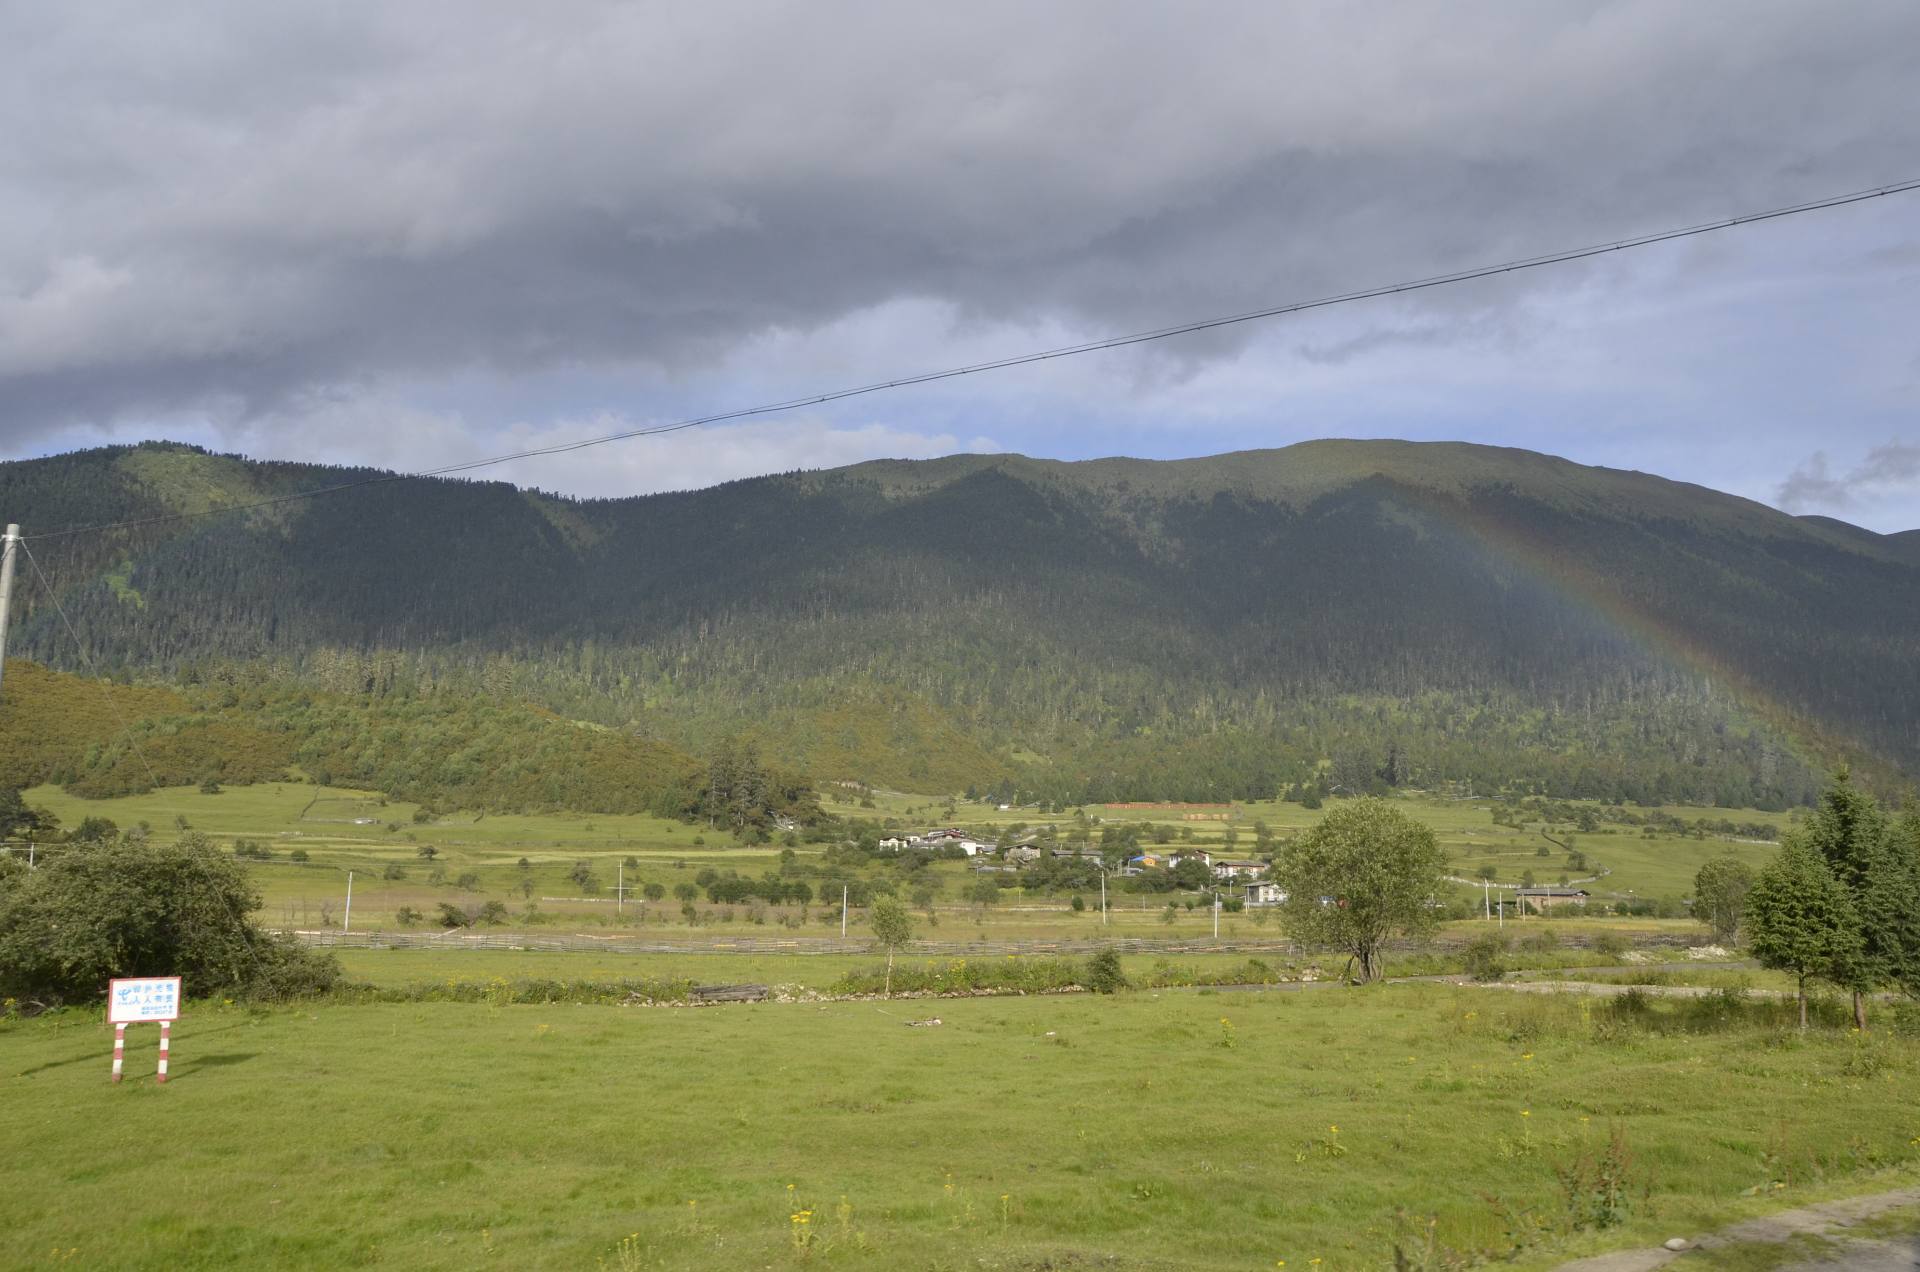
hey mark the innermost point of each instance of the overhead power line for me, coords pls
(1043, 355)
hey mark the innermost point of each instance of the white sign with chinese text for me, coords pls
(136, 999)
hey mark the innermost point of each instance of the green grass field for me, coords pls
(1143, 1131)
(342, 830)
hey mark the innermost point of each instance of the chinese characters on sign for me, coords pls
(144, 998)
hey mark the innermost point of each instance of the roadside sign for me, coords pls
(135, 999)
(138, 999)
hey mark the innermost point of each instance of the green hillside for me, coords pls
(1330, 614)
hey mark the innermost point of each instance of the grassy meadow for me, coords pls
(476, 859)
(1141, 1131)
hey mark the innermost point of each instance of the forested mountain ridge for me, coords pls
(1100, 629)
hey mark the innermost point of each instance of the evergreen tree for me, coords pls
(1853, 834)
(1801, 920)
(1889, 904)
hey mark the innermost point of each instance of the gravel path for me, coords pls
(1829, 1220)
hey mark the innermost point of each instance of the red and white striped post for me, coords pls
(119, 1050)
(166, 1036)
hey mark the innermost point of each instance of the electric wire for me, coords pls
(1025, 359)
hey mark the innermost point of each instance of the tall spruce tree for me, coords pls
(1801, 920)
(1852, 834)
(1889, 905)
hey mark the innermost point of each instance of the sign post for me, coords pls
(132, 1000)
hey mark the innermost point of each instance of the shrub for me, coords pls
(129, 908)
(1485, 957)
(394, 871)
(1104, 974)
(1077, 904)
(469, 881)
(452, 916)
(408, 916)
(298, 854)
(1612, 944)
(654, 891)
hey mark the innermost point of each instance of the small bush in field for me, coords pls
(1104, 974)
(1486, 957)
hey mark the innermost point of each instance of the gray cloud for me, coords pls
(400, 233)
(1886, 469)
(223, 208)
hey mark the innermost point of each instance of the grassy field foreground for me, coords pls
(1175, 1130)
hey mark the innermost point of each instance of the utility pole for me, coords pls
(8, 546)
(620, 888)
(1103, 898)
(346, 920)
(843, 911)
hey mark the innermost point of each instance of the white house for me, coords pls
(1224, 869)
(1266, 894)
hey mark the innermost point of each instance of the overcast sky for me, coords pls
(411, 234)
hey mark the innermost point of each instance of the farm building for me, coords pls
(1259, 894)
(1238, 869)
(1540, 900)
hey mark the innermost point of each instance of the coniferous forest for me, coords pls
(1332, 616)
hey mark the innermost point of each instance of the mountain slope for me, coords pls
(1152, 627)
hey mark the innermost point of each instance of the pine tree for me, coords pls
(1803, 921)
(1851, 832)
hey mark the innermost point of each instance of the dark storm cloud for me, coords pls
(233, 208)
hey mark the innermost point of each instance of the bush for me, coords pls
(128, 908)
(1612, 944)
(1104, 975)
(1077, 904)
(1486, 956)
(469, 881)
(408, 916)
(298, 854)
(394, 872)
(654, 891)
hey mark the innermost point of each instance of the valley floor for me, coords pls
(1140, 1131)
